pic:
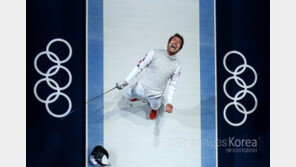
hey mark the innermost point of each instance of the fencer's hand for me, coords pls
(121, 85)
(169, 108)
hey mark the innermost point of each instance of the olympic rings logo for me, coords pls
(242, 93)
(52, 83)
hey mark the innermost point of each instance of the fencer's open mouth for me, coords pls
(173, 46)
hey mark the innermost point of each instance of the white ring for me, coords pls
(59, 40)
(43, 53)
(253, 70)
(44, 79)
(226, 118)
(234, 78)
(58, 115)
(68, 83)
(238, 53)
(254, 97)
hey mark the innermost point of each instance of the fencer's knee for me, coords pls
(155, 105)
(127, 94)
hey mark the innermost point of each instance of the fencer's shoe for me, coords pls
(153, 114)
(131, 101)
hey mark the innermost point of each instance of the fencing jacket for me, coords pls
(159, 69)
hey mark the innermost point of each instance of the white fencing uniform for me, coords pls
(160, 68)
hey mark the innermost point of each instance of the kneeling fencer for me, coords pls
(162, 68)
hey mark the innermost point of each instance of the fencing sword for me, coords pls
(83, 104)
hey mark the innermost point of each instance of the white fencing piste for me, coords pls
(132, 29)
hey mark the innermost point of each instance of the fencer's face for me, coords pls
(174, 45)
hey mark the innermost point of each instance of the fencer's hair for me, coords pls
(177, 35)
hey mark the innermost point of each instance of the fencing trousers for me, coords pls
(137, 91)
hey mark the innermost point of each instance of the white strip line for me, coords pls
(216, 107)
(86, 83)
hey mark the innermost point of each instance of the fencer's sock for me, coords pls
(133, 100)
(153, 114)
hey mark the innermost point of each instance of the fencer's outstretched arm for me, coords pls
(142, 64)
(173, 84)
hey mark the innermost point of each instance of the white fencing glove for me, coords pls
(121, 85)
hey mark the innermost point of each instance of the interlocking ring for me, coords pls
(52, 83)
(242, 84)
